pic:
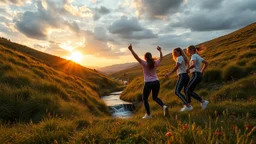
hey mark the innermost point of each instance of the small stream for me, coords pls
(118, 107)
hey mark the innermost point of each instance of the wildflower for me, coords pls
(168, 134)
(232, 116)
(247, 127)
(251, 98)
(185, 126)
(232, 127)
(218, 133)
(116, 122)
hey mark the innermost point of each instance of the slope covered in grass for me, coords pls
(31, 89)
(230, 117)
(103, 84)
(231, 58)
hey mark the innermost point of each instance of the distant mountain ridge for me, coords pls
(115, 68)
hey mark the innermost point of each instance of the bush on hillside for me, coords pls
(233, 71)
(212, 75)
(242, 89)
(252, 45)
(242, 62)
(247, 54)
(250, 69)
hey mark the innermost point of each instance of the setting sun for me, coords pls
(75, 56)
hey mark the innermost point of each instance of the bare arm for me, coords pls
(161, 54)
(204, 66)
(172, 71)
(192, 66)
(134, 54)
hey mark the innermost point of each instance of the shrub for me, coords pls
(247, 54)
(252, 46)
(233, 71)
(242, 62)
(251, 67)
(203, 92)
(212, 75)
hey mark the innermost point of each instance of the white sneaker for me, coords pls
(204, 104)
(185, 108)
(147, 116)
(165, 109)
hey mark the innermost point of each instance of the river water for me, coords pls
(118, 107)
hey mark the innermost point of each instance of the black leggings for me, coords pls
(196, 78)
(182, 83)
(155, 87)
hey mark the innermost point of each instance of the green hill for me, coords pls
(232, 58)
(45, 101)
(104, 85)
(31, 87)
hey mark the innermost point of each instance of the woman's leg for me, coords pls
(197, 77)
(179, 85)
(155, 91)
(145, 95)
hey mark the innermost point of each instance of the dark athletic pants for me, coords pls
(196, 78)
(148, 87)
(182, 83)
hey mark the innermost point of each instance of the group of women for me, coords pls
(196, 66)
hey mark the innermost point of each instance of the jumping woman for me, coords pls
(181, 60)
(151, 82)
(197, 74)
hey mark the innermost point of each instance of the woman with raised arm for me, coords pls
(197, 71)
(151, 82)
(181, 60)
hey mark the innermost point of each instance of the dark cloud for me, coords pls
(130, 29)
(98, 12)
(100, 33)
(208, 4)
(103, 10)
(36, 24)
(172, 41)
(232, 15)
(155, 9)
(73, 27)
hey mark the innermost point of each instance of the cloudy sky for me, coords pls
(101, 30)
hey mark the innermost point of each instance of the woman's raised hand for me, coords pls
(130, 47)
(158, 48)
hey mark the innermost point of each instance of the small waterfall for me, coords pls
(118, 107)
(122, 110)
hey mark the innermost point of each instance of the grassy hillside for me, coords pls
(40, 104)
(100, 83)
(231, 58)
(30, 89)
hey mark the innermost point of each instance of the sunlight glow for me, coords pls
(75, 56)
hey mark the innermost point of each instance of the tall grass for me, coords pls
(223, 127)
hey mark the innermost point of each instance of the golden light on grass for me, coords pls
(75, 56)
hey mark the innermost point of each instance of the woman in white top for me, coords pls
(197, 74)
(181, 60)
(151, 82)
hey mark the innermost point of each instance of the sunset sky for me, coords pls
(97, 32)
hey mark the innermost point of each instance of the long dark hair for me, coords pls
(150, 60)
